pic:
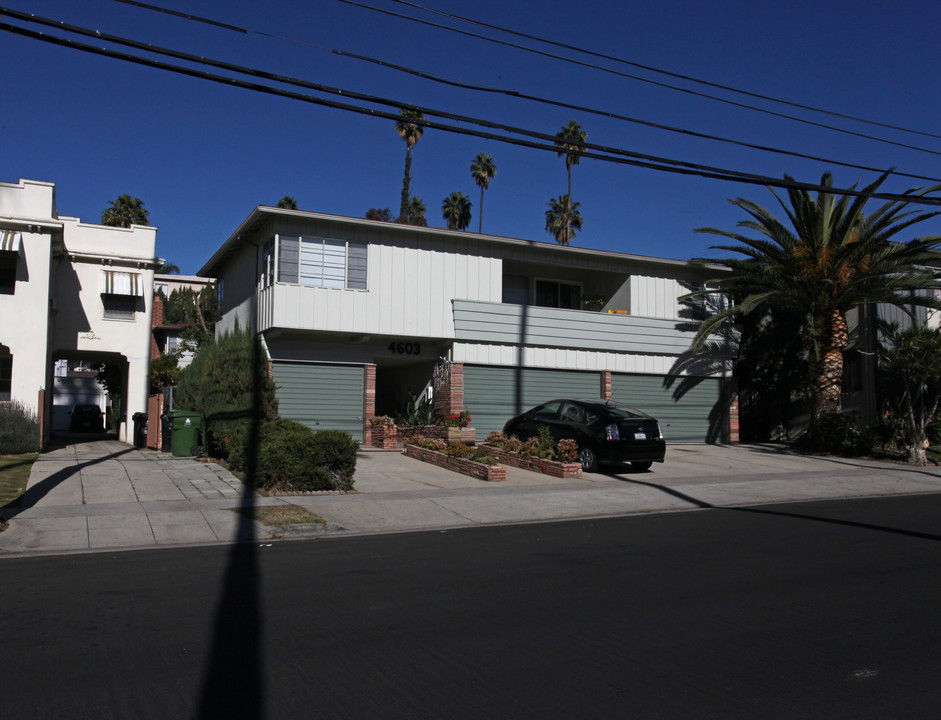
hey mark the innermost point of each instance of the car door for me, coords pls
(545, 414)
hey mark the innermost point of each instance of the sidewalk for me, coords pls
(104, 495)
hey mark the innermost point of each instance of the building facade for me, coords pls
(359, 318)
(70, 291)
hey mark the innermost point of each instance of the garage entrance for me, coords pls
(322, 396)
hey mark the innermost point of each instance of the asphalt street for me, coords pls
(801, 610)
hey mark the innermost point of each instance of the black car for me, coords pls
(605, 430)
(86, 418)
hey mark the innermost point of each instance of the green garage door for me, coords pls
(698, 415)
(322, 397)
(490, 392)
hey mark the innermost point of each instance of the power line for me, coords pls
(639, 78)
(617, 116)
(668, 73)
(591, 151)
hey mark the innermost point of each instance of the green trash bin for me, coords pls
(185, 426)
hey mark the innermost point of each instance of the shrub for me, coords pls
(221, 383)
(381, 420)
(292, 457)
(567, 451)
(416, 411)
(19, 429)
(481, 455)
(836, 433)
(513, 445)
(428, 443)
(459, 450)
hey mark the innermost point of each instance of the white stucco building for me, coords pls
(70, 290)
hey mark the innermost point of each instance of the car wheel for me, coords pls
(588, 458)
(638, 465)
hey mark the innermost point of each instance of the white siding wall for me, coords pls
(656, 297)
(409, 292)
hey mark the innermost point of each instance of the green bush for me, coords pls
(19, 429)
(227, 382)
(837, 434)
(290, 457)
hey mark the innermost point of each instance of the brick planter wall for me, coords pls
(384, 436)
(546, 467)
(468, 435)
(490, 473)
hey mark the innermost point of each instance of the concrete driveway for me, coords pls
(105, 495)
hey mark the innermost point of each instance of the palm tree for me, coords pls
(832, 258)
(415, 213)
(569, 140)
(563, 219)
(483, 170)
(456, 209)
(288, 203)
(410, 131)
(124, 212)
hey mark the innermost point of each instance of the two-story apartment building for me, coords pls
(358, 316)
(70, 291)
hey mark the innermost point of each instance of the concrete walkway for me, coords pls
(104, 495)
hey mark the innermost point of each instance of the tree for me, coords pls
(168, 268)
(124, 212)
(456, 210)
(199, 311)
(831, 259)
(912, 369)
(563, 219)
(288, 203)
(570, 139)
(415, 212)
(380, 214)
(483, 170)
(410, 131)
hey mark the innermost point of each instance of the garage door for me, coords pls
(696, 415)
(490, 392)
(321, 396)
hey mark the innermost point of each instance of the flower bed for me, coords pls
(552, 468)
(467, 435)
(490, 473)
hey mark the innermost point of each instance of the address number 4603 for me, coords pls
(405, 348)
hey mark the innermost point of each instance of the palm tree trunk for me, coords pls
(826, 366)
(568, 204)
(406, 181)
(480, 226)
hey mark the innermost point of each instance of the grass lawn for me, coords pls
(277, 515)
(14, 473)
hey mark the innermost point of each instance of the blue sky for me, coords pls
(202, 155)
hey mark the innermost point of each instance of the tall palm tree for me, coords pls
(827, 258)
(410, 131)
(124, 212)
(563, 219)
(569, 141)
(483, 170)
(415, 214)
(456, 210)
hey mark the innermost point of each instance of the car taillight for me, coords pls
(659, 432)
(612, 432)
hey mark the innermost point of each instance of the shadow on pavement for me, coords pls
(38, 491)
(703, 504)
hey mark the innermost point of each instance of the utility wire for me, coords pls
(910, 196)
(661, 71)
(617, 116)
(511, 93)
(641, 79)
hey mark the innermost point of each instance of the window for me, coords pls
(7, 277)
(219, 294)
(551, 293)
(161, 289)
(6, 378)
(516, 289)
(322, 262)
(119, 307)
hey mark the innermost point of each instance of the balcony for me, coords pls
(503, 323)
